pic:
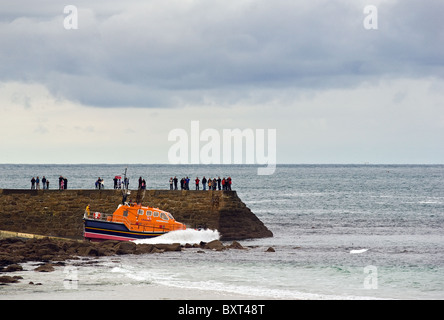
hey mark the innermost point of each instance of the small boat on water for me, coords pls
(129, 222)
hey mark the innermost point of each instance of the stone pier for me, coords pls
(59, 213)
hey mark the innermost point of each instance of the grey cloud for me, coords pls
(162, 53)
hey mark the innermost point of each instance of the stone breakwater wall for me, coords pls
(59, 213)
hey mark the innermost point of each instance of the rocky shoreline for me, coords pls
(54, 252)
(59, 216)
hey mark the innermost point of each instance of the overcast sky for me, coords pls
(112, 90)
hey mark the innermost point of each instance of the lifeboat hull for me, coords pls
(97, 230)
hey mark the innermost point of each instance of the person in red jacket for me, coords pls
(197, 183)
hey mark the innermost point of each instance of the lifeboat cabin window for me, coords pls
(140, 212)
(156, 214)
(170, 215)
(148, 213)
(163, 216)
(125, 213)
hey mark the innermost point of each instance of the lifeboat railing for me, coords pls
(141, 227)
(108, 218)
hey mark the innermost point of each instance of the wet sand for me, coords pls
(145, 292)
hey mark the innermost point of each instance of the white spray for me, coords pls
(190, 236)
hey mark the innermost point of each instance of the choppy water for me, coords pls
(320, 216)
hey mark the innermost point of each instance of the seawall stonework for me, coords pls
(59, 213)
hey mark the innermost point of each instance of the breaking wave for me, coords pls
(190, 236)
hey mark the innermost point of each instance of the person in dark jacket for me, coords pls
(44, 182)
(175, 182)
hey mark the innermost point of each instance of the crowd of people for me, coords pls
(212, 183)
(119, 184)
(63, 183)
(35, 183)
(142, 184)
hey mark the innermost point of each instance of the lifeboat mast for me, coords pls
(125, 191)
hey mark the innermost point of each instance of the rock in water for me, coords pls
(48, 267)
(235, 245)
(126, 247)
(8, 279)
(214, 245)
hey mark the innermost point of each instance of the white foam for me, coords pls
(257, 292)
(190, 236)
(358, 251)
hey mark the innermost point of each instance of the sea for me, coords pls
(340, 232)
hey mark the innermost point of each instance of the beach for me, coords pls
(147, 292)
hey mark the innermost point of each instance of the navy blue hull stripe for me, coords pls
(117, 229)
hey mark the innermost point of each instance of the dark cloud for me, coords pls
(165, 53)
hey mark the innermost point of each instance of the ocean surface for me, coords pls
(340, 232)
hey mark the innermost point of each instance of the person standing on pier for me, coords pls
(204, 183)
(197, 183)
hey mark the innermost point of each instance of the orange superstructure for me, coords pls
(140, 218)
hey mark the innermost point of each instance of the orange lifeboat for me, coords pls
(129, 222)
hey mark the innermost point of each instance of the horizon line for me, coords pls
(223, 164)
